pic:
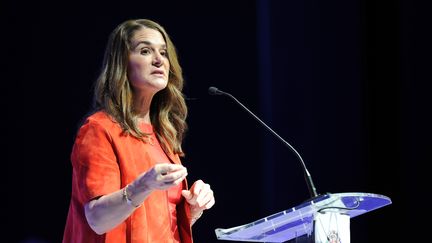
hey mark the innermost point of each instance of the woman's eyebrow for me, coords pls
(149, 43)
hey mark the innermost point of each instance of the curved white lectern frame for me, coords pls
(298, 221)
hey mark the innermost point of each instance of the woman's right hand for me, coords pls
(106, 212)
(160, 177)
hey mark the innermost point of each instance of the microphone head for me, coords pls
(214, 91)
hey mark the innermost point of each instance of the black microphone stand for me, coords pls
(308, 178)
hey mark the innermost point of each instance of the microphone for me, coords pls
(308, 178)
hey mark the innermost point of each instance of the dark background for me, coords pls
(347, 83)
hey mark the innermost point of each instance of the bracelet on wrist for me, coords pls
(127, 198)
(194, 219)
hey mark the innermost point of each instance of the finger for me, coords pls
(197, 187)
(179, 180)
(209, 204)
(207, 198)
(161, 168)
(206, 206)
(174, 176)
(187, 195)
(167, 168)
(204, 191)
(190, 197)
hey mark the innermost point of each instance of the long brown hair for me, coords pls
(113, 91)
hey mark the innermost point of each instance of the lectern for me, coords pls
(325, 218)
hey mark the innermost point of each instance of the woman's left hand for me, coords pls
(200, 197)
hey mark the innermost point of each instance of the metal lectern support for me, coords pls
(323, 217)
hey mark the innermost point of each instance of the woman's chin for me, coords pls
(160, 83)
(156, 84)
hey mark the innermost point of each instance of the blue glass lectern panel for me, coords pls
(298, 221)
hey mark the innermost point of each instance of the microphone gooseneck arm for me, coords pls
(308, 178)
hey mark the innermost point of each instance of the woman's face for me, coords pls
(148, 67)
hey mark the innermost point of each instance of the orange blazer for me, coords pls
(104, 160)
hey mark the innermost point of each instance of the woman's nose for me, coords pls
(158, 60)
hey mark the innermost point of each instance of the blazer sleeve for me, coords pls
(94, 162)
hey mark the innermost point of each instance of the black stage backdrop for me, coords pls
(347, 83)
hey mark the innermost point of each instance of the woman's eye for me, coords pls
(164, 53)
(145, 51)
